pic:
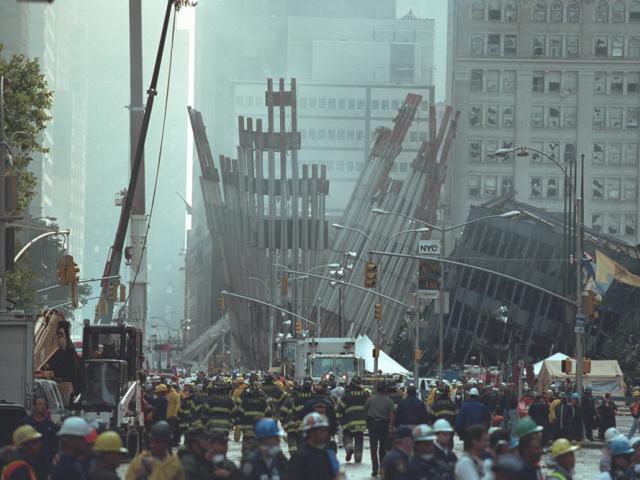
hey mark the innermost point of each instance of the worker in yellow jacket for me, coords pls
(156, 463)
(173, 407)
(240, 387)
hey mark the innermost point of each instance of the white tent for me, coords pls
(364, 349)
(556, 356)
(606, 376)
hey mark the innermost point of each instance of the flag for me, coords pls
(607, 270)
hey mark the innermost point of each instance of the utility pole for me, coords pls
(441, 300)
(579, 304)
(138, 286)
(4, 159)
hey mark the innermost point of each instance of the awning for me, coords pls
(556, 356)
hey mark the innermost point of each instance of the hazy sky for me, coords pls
(436, 9)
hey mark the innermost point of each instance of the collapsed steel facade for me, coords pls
(530, 248)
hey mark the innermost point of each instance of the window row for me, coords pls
(615, 154)
(616, 83)
(331, 103)
(554, 82)
(485, 151)
(553, 116)
(488, 185)
(614, 46)
(556, 11)
(351, 166)
(555, 45)
(614, 189)
(548, 152)
(493, 81)
(544, 187)
(610, 223)
(615, 117)
(494, 10)
(494, 44)
(616, 12)
(493, 116)
(332, 135)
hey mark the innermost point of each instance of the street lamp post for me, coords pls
(579, 226)
(443, 246)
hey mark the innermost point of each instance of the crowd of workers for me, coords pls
(410, 437)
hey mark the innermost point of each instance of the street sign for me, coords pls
(430, 248)
(580, 321)
(428, 279)
(578, 329)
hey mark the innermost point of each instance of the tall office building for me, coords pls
(560, 76)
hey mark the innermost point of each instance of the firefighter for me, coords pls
(292, 411)
(352, 418)
(219, 409)
(28, 445)
(187, 414)
(274, 393)
(240, 386)
(252, 406)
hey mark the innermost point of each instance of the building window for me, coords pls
(351, 104)
(553, 81)
(475, 116)
(613, 224)
(615, 153)
(384, 104)
(555, 13)
(630, 224)
(477, 44)
(552, 187)
(536, 156)
(490, 148)
(573, 43)
(341, 135)
(613, 189)
(473, 185)
(601, 46)
(631, 154)
(493, 81)
(492, 116)
(508, 81)
(555, 46)
(537, 117)
(602, 12)
(536, 187)
(570, 117)
(598, 154)
(634, 47)
(510, 12)
(332, 103)
(569, 152)
(493, 45)
(598, 118)
(322, 103)
(634, 12)
(351, 135)
(331, 134)
(395, 104)
(477, 10)
(510, 45)
(597, 188)
(491, 186)
(360, 104)
(629, 189)
(539, 11)
(617, 46)
(508, 119)
(596, 222)
(342, 104)
(322, 134)
(537, 46)
(614, 117)
(552, 150)
(600, 82)
(573, 12)
(553, 117)
(618, 13)
(616, 83)
(633, 82)
(475, 151)
(506, 185)
(632, 117)
(538, 81)
(495, 10)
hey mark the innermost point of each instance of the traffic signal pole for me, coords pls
(441, 300)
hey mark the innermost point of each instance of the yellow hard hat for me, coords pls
(24, 434)
(561, 447)
(161, 388)
(636, 393)
(109, 442)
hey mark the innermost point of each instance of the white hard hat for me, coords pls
(471, 381)
(314, 420)
(423, 433)
(610, 434)
(474, 392)
(433, 383)
(74, 427)
(442, 425)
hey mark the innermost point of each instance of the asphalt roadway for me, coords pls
(586, 465)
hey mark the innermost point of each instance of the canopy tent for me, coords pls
(556, 356)
(364, 349)
(606, 376)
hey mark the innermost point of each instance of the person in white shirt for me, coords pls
(471, 466)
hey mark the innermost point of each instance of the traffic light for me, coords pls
(565, 366)
(298, 327)
(123, 293)
(284, 286)
(62, 271)
(418, 354)
(370, 275)
(377, 311)
(376, 352)
(221, 303)
(586, 366)
(589, 303)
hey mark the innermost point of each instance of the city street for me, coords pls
(586, 458)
